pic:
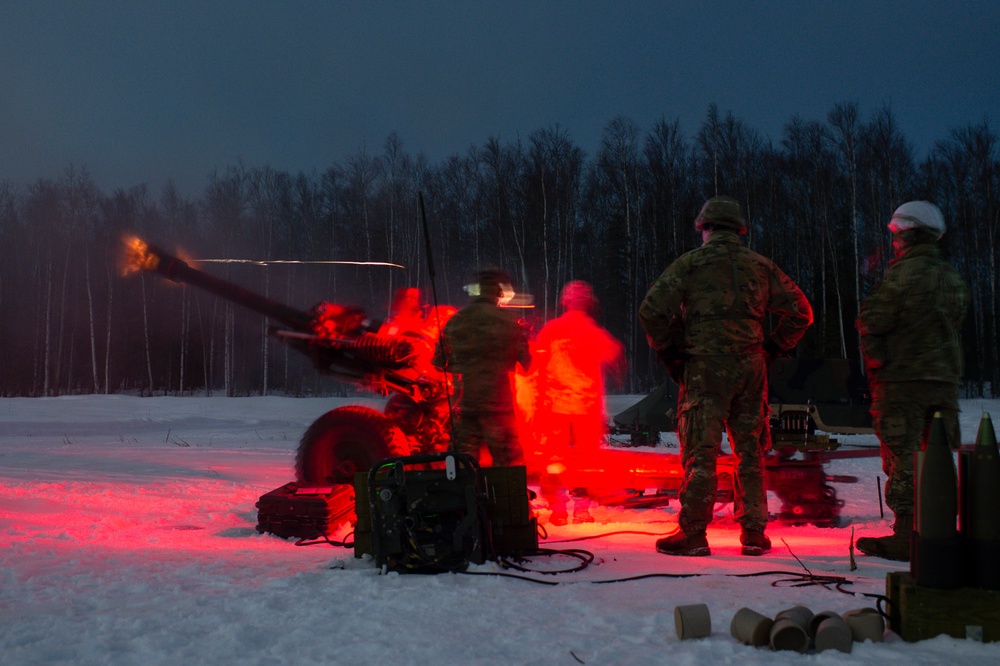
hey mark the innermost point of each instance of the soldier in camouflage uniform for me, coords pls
(481, 344)
(910, 329)
(704, 317)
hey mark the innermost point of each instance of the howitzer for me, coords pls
(337, 338)
(344, 344)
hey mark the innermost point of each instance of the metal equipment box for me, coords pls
(514, 530)
(426, 519)
(305, 510)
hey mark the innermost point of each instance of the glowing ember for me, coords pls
(137, 256)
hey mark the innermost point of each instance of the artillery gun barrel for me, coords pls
(177, 270)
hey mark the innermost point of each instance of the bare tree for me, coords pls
(964, 174)
(552, 181)
(615, 207)
(844, 120)
(360, 174)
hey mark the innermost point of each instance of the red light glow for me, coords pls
(563, 423)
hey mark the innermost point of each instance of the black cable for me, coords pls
(501, 574)
(805, 579)
(607, 534)
(795, 578)
(879, 599)
(802, 580)
(585, 557)
(327, 540)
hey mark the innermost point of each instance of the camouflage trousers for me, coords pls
(722, 392)
(497, 431)
(902, 413)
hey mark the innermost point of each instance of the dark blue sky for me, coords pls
(144, 91)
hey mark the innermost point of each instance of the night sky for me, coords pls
(139, 92)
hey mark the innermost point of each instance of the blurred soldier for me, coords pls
(406, 312)
(418, 323)
(910, 329)
(704, 316)
(423, 416)
(481, 344)
(406, 319)
(571, 355)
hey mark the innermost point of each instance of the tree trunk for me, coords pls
(90, 320)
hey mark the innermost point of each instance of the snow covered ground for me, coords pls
(127, 537)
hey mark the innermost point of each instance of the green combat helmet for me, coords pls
(721, 213)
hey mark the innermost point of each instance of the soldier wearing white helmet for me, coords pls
(918, 215)
(910, 329)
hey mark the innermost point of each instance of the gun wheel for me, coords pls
(345, 441)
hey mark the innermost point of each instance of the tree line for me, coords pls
(817, 202)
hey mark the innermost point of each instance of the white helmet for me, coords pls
(918, 214)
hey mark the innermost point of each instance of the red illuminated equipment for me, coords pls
(342, 343)
(304, 510)
(806, 396)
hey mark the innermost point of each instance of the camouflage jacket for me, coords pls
(481, 344)
(713, 301)
(911, 323)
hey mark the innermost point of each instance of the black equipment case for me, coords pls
(305, 510)
(440, 512)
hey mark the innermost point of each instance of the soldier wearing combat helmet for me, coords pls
(481, 344)
(721, 213)
(704, 316)
(910, 329)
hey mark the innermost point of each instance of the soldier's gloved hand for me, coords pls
(772, 351)
(673, 360)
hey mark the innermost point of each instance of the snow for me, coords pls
(127, 536)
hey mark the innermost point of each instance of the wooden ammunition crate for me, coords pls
(916, 613)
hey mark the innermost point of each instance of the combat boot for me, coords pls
(895, 546)
(754, 542)
(689, 545)
(581, 508)
(555, 496)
